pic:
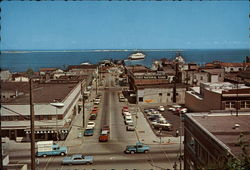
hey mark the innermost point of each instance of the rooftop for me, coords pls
(220, 87)
(226, 132)
(42, 93)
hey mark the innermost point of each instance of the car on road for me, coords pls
(78, 159)
(89, 132)
(137, 148)
(106, 127)
(161, 108)
(104, 136)
(90, 125)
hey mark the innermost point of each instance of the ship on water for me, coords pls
(137, 56)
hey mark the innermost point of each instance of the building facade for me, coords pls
(209, 143)
(49, 120)
(218, 96)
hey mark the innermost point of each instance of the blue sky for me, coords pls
(124, 25)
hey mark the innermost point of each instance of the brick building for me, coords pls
(211, 139)
(218, 96)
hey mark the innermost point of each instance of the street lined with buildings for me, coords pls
(175, 109)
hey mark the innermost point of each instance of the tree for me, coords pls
(30, 71)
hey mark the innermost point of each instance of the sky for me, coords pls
(69, 25)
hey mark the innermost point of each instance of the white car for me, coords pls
(184, 110)
(161, 108)
(174, 107)
(128, 120)
(126, 114)
(90, 125)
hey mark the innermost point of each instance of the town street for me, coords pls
(110, 155)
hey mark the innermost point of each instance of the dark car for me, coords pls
(92, 116)
(153, 117)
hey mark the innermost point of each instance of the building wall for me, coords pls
(5, 75)
(200, 150)
(205, 103)
(45, 114)
(161, 95)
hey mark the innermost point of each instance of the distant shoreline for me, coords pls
(106, 50)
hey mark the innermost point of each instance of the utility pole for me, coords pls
(32, 134)
(237, 96)
(1, 149)
(97, 76)
(175, 80)
(83, 105)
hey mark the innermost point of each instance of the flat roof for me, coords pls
(44, 93)
(222, 126)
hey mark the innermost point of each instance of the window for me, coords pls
(229, 105)
(177, 94)
(160, 94)
(201, 78)
(247, 104)
(140, 99)
(242, 104)
(168, 94)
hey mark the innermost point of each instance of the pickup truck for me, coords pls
(77, 159)
(45, 148)
(137, 148)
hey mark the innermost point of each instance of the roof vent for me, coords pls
(236, 126)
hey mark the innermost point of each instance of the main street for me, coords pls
(110, 155)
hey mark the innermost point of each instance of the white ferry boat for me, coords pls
(137, 56)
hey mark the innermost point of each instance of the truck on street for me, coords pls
(137, 148)
(45, 148)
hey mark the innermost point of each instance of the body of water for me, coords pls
(21, 61)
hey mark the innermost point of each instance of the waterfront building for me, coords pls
(153, 86)
(5, 75)
(218, 96)
(212, 140)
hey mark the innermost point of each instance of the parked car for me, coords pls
(128, 120)
(161, 108)
(164, 126)
(90, 125)
(92, 116)
(154, 117)
(130, 127)
(126, 114)
(97, 102)
(137, 148)
(174, 107)
(89, 132)
(77, 159)
(104, 136)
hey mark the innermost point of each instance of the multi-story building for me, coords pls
(49, 120)
(218, 96)
(212, 140)
(153, 86)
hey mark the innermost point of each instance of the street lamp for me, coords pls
(57, 106)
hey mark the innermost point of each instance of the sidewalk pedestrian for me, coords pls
(177, 133)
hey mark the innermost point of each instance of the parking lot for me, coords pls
(170, 116)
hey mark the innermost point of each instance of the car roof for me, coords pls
(104, 132)
(77, 156)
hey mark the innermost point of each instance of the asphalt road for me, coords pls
(110, 155)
